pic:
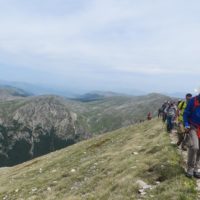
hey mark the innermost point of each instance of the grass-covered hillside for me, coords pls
(110, 166)
(114, 112)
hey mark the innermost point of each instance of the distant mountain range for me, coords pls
(97, 95)
(37, 89)
(9, 92)
(31, 126)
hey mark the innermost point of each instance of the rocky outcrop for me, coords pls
(41, 125)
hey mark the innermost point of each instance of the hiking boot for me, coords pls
(190, 173)
(197, 174)
(184, 148)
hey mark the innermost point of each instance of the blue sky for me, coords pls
(118, 45)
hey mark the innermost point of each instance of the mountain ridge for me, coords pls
(37, 125)
(10, 93)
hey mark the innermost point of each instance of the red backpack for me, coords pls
(196, 105)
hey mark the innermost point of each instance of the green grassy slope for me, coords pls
(115, 112)
(105, 167)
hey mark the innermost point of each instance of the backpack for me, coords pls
(171, 111)
(166, 108)
(181, 105)
(196, 110)
(196, 107)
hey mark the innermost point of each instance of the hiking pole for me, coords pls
(184, 144)
(182, 163)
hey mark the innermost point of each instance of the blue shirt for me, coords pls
(191, 114)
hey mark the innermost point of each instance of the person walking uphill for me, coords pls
(164, 110)
(149, 116)
(191, 118)
(171, 115)
(181, 131)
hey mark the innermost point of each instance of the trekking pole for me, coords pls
(182, 159)
(182, 163)
(183, 142)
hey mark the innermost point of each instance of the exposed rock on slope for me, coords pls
(35, 128)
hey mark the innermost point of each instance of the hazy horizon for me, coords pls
(109, 45)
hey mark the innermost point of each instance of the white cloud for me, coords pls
(146, 37)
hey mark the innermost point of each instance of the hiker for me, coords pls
(191, 118)
(181, 131)
(164, 110)
(171, 116)
(149, 116)
(160, 111)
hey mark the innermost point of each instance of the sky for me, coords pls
(115, 45)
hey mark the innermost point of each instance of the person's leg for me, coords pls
(168, 124)
(191, 161)
(183, 145)
(193, 147)
(197, 164)
(181, 136)
(164, 116)
(172, 123)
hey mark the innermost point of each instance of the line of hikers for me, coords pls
(185, 117)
